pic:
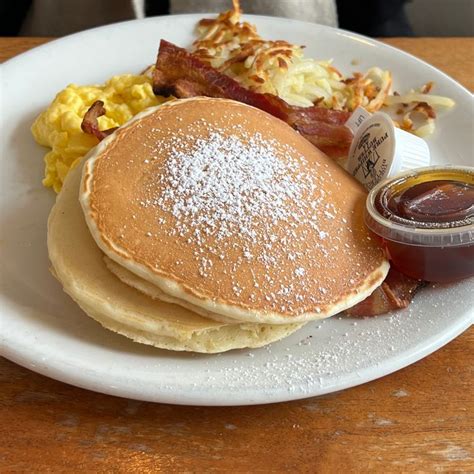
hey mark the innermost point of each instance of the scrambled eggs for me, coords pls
(59, 126)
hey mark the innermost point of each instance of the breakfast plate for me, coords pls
(43, 330)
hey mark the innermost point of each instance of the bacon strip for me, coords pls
(322, 133)
(174, 64)
(396, 292)
(90, 123)
(182, 74)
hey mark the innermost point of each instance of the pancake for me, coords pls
(147, 288)
(78, 264)
(227, 208)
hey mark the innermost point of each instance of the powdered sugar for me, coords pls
(237, 184)
(333, 352)
(224, 185)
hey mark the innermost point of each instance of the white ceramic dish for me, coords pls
(42, 329)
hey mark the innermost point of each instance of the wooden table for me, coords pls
(417, 419)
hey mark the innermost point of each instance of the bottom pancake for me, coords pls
(78, 264)
(144, 286)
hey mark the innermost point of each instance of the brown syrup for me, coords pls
(435, 202)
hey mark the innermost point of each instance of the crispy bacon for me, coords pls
(90, 123)
(174, 64)
(396, 292)
(180, 73)
(323, 132)
(184, 88)
(309, 115)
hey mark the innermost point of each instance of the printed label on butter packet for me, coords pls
(372, 155)
(380, 150)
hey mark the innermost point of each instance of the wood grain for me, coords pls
(10, 47)
(454, 56)
(419, 419)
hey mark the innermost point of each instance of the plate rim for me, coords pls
(202, 398)
(247, 17)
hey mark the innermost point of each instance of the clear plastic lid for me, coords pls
(383, 218)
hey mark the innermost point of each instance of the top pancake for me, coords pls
(228, 208)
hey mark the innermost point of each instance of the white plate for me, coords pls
(42, 329)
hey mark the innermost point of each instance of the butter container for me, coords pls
(380, 150)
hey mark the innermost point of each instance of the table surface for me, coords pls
(417, 419)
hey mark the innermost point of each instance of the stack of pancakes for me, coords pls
(207, 225)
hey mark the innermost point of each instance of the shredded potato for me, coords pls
(278, 67)
(433, 100)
